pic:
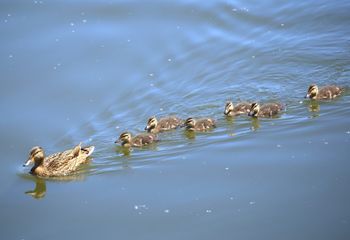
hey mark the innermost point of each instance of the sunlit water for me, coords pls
(86, 71)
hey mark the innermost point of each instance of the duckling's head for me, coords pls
(254, 110)
(228, 108)
(190, 124)
(151, 124)
(124, 138)
(36, 156)
(312, 91)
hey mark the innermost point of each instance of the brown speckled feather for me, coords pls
(240, 108)
(143, 139)
(270, 109)
(204, 124)
(168, 123)
(329, 92)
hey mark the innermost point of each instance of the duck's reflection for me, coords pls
(255, 124)
(191, 135)
(124, 150)
(39, 190)
(314, 108)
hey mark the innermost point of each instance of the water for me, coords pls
(88, 70)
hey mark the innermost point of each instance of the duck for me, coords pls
(58, 164)
(326, 92)
(164, 124)
(265, 110)
(140, 140)
(202, 124)
(238, 109)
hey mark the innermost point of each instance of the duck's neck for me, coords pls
(37, 163)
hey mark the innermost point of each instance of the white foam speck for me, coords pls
(278, 145)
(166, 211)
(169, 60)
(208, 211)
(251, 203)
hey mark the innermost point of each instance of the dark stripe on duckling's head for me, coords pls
(190, 123)
(254, 109)
(151, 123)
(125, 135)
(228, 108)
(312, 91)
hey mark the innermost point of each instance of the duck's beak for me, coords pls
(146, 128)
(117, 141)
(250, 113)
(307, 96)
(27, 162)
(226, 112)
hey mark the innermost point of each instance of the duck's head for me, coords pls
(228, 108)
(190, 124)
(151, 124)
(36, 156)
(312, 91)
(124, 138)
(254, 110)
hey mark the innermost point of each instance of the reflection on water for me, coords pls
(255, 123)
(314, 107)
(190, 135)
(39, 190)
(124, 150)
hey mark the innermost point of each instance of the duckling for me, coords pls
(58, 164)
(138, 141)
(164, 124)
(327, 92)
(235, 110)
(203, 124)
(266, 110)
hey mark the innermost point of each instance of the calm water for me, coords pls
(88, 70)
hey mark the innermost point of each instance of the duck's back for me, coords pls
(242, 108)
(64, 163)
(168, 123)
(204, 123)
(329, 92)
(270, 109)
(143, 139)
